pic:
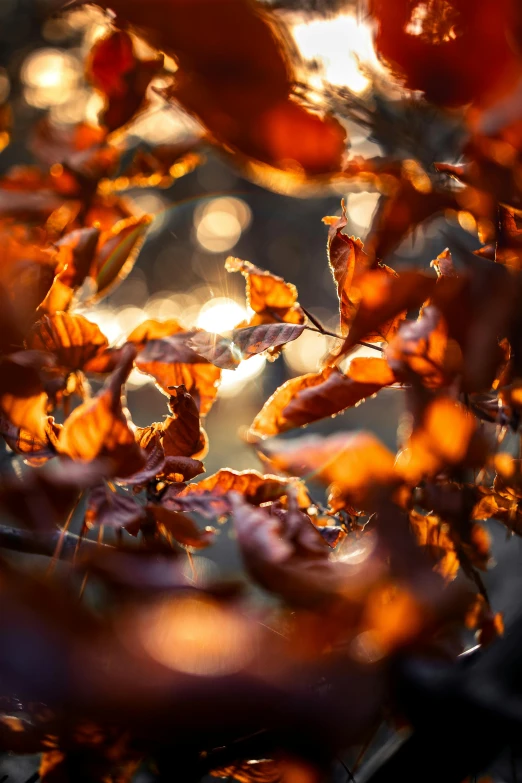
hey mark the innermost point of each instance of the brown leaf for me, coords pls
(113, 509)
(446, 437)
(431, 533)
(120, 76)
(357, 466)
(275, 560)
(171, 362)
(76, 251)
(347, 261)
(210, 496)
(271, 299)
(220, 351)
(308, 398)
(240, 90)
(181, 527)
(98, 427)
(422, 347)
(117, 251)
(73, 339)
(384, 300)
(181, 434)
(227, 352)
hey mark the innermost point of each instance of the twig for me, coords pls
(18, 540)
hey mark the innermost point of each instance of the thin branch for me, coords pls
(18, 540)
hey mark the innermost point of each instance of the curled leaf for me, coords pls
(347, 261)
(117, 252)
(383, 301)
(98, 427)
(271, 299)
(171, 362)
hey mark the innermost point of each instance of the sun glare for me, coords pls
(340, 45)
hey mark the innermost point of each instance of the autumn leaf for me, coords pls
(422, 347)
(433, 534)
(271, 299)
(117, 251)
(227, 352)
(99, 428)
(210, 495)
(71, 338)
(171, 362)
(113, 509)
(181, 527)
(383, 302)
(347, 261)
(308, 398)
(76, 251)
(120, 76)
(446, 437)
(356, 466)
(154, 330)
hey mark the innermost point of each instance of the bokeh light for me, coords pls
(220, 315)
(50, 77)
(341, 45)
(197, 636)
(305, 354)
(220, 222)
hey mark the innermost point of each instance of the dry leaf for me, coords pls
(308, 398)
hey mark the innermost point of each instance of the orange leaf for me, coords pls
(446, 437)
(383, 301)
(98, 427)
(171, 362)
(117, 251)
(308, 398)
(422, 347)
(271, 299)
(73, 339)
(76, 252)
(347, 261)
(356, 466)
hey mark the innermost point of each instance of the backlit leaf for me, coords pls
(98, 427)
(72, 339)
(308, 398)
(271, 299)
